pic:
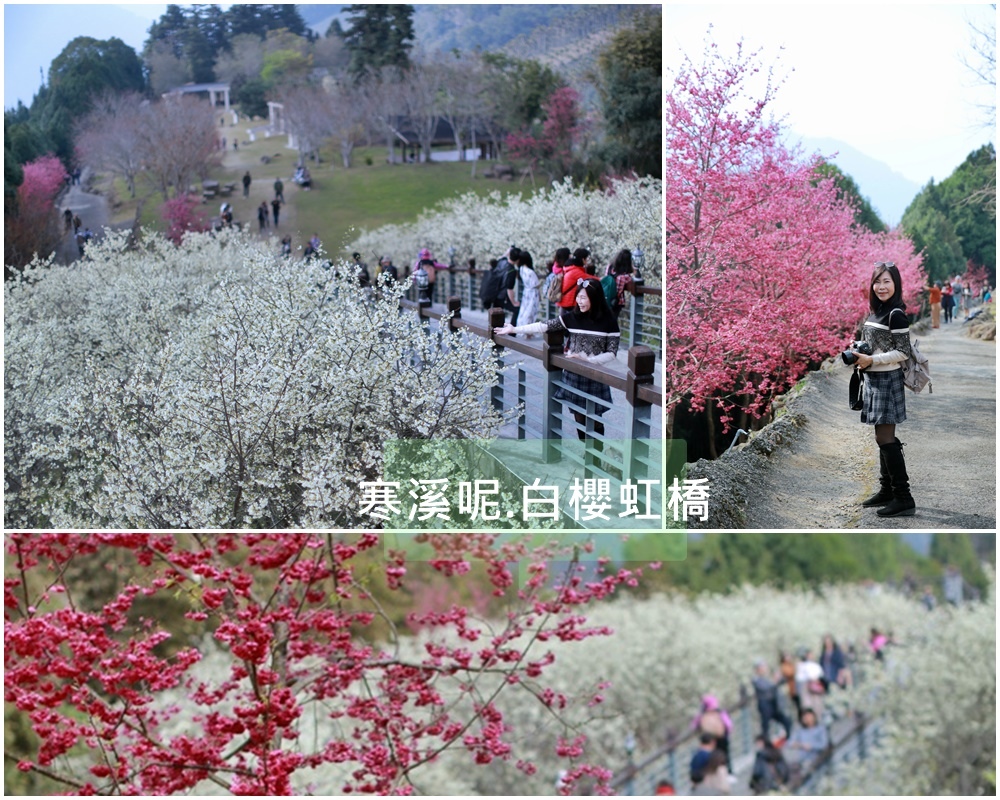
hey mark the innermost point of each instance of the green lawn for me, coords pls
(342, 201)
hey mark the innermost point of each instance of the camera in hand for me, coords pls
(859, 347)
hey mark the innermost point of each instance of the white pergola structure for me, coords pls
(215, 90)
(275, 118)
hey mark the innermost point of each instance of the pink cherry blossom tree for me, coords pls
(183, 214)
(31, 227)
(765, 271)
(551, 148)
(119, 707)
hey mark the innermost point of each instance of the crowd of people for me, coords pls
(953, 295)
(794, 714)
(82, 235)
(587, 316)
(588, 306)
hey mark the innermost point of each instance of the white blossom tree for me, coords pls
(211, 385)
(936, 703)
(625, 215)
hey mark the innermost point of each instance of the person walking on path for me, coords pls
(279, 191)
(275, 208)
(934, 297)
(887, 332)
(958, 293)
(809, 683)
(572, 274)
(834, 664)
(947, 301)
(247, 180)
(765, 687)
(262, 215)
(807, 742)
(620, 271)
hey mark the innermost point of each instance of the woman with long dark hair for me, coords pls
(620, 270)
(887, 331)
(593, 337)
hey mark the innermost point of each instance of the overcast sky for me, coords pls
(885, 78)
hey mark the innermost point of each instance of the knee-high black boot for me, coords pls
(902, 504)
(884, 494)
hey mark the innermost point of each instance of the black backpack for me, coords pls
(493, 291)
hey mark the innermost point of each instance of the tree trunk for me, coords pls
(710, 422)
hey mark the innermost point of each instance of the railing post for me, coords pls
(745, 724)
(635, 316)
(494, 319)
(672, 759)
(552, 344)
(522, 400)
(862, 748)
(455, 309)
(591, 460)
(641, 366)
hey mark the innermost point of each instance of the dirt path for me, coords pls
(248, 158)
(815, 465)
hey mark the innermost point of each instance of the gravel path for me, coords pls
(810, 469)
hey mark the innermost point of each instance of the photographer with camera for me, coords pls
(885, 345)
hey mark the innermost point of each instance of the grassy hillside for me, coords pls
(341, 201)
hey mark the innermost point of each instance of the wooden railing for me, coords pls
(671, 761)
(532, 378)
(641, 319)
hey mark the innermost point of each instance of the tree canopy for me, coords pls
(630, 83)
(378, 36)
(848, 190)
(954, 222)
(84, 69)
(200, 35)
(89, 66)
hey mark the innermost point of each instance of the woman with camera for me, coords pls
(887, 333)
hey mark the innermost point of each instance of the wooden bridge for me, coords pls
(851, 735)
(530, 377)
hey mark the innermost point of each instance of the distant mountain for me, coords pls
(565, 37)
(888, 192)
(318, 17)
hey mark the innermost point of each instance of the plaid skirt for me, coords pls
(883, 397)
(591, 387)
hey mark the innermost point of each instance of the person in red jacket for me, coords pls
(572, 272)
(935, 300)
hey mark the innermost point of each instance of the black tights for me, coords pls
(885, 434)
